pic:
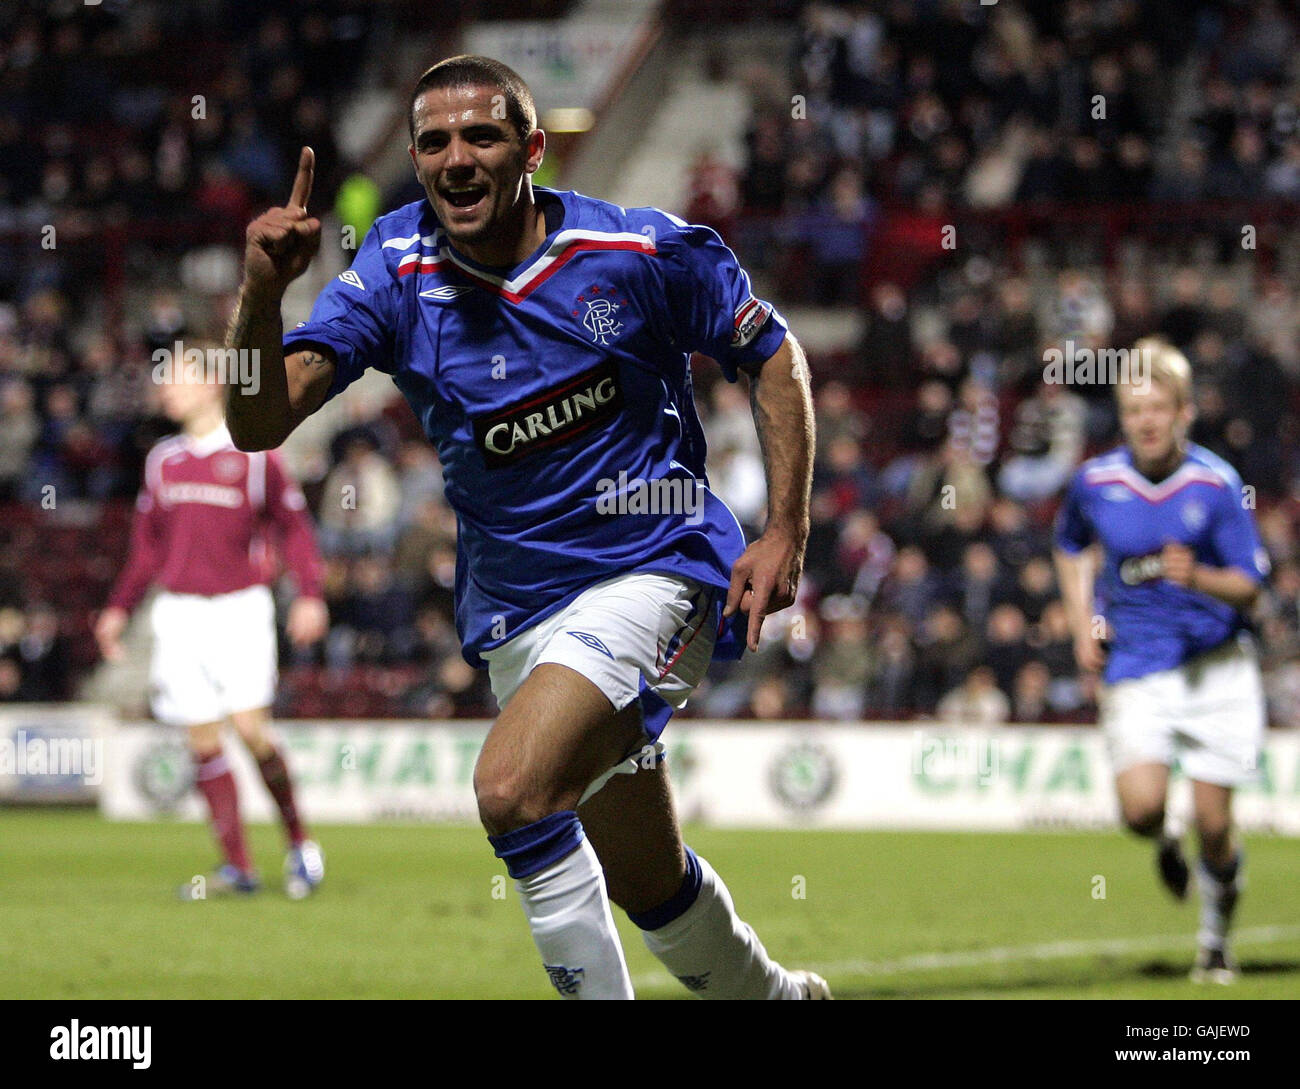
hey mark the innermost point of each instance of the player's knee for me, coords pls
(1144, 820)
(506, 803)
(258, 742)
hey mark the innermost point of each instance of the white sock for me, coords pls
(1218, 902)
(715, 953)
(568, 912)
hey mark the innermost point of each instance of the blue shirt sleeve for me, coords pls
(712, 307)
(353, 315)
(1234, 538)
(1073, 531)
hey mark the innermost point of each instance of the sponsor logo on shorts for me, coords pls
(591, 641)
(549, 419)
(695, 983)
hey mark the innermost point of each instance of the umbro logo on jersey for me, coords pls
(447, 292)
(548, 419)
(352, 278)
(591, 641)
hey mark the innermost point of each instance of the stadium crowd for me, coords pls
(941, 451)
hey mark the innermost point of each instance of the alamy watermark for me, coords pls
(25, 755)
(633, 495)
(178, 364)
(1072, 365)
(947, 756)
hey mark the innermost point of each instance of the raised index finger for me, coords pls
(302, 182)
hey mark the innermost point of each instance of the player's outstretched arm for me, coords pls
(766, 577)
(279, 245)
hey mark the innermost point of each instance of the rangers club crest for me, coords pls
(601, 316)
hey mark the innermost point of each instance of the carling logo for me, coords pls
(549, 419)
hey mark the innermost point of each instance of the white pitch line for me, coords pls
(1008, 954)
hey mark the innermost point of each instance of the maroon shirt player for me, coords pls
(205, 519)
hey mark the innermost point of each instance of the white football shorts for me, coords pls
(629, 634)
(1209, 714)
(212, 655)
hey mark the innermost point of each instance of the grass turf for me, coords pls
(88, 909)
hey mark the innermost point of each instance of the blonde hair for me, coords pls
(1165, 365)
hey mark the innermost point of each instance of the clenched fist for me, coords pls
(280, 243)
(1178, 564)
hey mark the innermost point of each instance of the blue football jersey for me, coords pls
(558, 394)
(1157, 624)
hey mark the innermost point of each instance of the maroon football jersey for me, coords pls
(207, 519)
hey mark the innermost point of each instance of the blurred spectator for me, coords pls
(979, 585)
(1030, 702)
(374, 619)
(360, 500)
(910, 589)
(1047, 438)
(836, 418)
(835, 231)
(19, 429)
(946, 652)
(977, 701)
(885, 351)
(1007, 648)
(842, 665)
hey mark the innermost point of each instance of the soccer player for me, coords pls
(1182, 565)
(203, 521)
(543, 339)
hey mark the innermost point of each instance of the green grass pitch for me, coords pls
(88, 910)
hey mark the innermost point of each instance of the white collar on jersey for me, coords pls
(207, 444)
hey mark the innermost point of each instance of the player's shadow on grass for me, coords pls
(1086, 981)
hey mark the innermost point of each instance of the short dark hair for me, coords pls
(468, 70)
